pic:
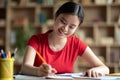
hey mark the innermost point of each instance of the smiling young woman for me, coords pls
(60, 48)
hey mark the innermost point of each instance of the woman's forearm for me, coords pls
(29, 70)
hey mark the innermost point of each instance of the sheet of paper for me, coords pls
(76, 75)
(71, 74)
(81, 76)
(59, 77)
(26, 77)
(66, 76)
(110, 78)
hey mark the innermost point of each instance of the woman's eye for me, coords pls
(72, 27)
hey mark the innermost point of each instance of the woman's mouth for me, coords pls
(61, 32)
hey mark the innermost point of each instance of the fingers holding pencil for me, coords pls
(49, 69)
(46, 69)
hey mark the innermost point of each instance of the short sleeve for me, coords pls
(82, 47)
(76, 45)
(33, 41)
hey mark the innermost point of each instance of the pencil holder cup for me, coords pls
(6, 68)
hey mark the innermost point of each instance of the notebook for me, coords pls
(66, 76)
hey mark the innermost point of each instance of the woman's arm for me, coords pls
(98, 67)
(29, 69)
(28, 61)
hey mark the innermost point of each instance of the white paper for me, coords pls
(26, 77)
(66, 76)
(76, 75)
(70, 76)
(81, 76)
(110, 78)
(59, 77)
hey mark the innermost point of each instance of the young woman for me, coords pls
(60, 48)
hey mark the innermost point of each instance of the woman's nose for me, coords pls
(65, 28)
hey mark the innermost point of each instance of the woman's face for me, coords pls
(65, 25)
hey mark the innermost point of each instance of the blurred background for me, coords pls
(19, 19)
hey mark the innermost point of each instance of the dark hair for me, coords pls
(73, 8)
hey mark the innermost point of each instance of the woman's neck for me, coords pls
(56, 43)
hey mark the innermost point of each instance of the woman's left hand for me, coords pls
(93, 72)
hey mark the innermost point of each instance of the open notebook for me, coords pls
(66, 76)
(26, 77)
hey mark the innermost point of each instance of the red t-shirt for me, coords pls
(63, 60)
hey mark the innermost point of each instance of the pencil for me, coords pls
(41, 57)
(9, 54)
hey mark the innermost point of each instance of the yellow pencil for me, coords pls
(9, 54)
(43, 60)
(41, 57)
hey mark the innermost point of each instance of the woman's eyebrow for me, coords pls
(63, 19)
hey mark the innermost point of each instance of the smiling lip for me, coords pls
(61, 32)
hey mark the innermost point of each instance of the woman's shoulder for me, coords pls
(74, 38)
(38, 38)
(41, 35)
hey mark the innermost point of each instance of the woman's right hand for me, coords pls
(45, 70)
